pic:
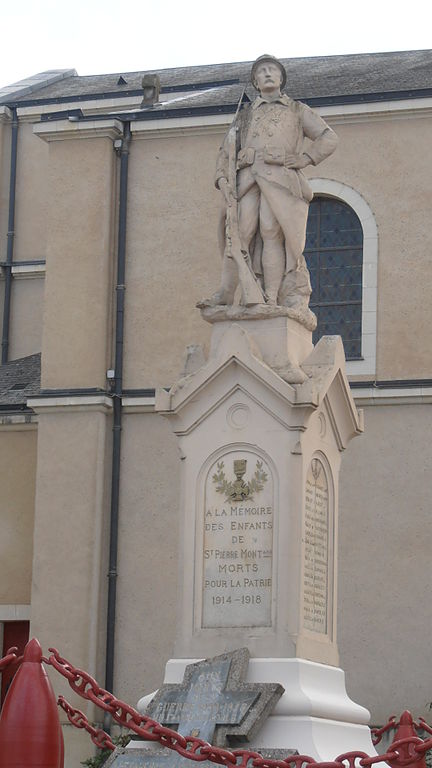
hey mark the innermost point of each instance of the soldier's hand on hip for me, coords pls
(297, 161)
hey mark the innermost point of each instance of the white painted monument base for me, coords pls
(314, 716)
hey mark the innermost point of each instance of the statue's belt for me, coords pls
(270, 155)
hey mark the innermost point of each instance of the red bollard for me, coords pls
(30, 732)
(405, 732)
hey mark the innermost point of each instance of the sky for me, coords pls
(101, 36)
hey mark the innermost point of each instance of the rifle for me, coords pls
(250, 288)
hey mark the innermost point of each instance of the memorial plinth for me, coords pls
(260, 466)
(261, 428)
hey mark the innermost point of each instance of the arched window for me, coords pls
(334, 254)
(335, 192)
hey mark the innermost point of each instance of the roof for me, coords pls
(307, 79)
(20, 379)
(23, 88)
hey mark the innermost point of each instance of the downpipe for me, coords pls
(117, 393)
(7, 265)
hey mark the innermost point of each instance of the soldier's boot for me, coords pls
(296, 288)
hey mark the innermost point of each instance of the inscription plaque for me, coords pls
(316, 549)
(238, 542)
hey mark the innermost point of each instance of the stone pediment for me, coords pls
(236, 363)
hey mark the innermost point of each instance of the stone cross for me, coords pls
(212, 703)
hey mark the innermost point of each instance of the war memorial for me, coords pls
(261, 427)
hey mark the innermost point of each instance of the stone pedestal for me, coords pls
(315, 715)
(260, 465)
(281, 341)
(261, 428)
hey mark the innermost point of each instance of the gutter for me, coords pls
(7, 265)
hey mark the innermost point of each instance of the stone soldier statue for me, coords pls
(269, 190)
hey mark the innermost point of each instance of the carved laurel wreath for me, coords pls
(226, 487)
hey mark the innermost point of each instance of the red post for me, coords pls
(30, 732)
(404, 734)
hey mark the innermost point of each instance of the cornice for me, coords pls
(5, 114)
(138, 404)
(193, 126)
(18, 422)
(370, 396)
(99, 403)
(28, 271)
(59, 130)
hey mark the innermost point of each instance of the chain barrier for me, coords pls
(393, 724)
(378, 733)
(400, 754)
(77, 718)
(10, 658)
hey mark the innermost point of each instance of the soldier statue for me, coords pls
(259, 172)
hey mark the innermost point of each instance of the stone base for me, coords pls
(283, 343)
(236, 312)
(315, 716)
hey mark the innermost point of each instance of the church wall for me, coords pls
(69, 584)
(18, 471)
(32, 196)
(385, 541)
(173, 257)
(147, 564)
(30, 236)
(80, 262)
(26, 316)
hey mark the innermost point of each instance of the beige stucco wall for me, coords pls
(18, 471)
(68, 596)
(26, 317)
(148, 557)
(70, 532)
(385, 541)
(76, 322)
(173, 259)
(32, 199)
(30, 233)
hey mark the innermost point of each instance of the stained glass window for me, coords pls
(334, 255)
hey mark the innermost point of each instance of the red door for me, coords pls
(14, 633)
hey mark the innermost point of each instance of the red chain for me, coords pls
(79, 720)
(377, 733)
(422, 725)
(401, 753)
(10, 658)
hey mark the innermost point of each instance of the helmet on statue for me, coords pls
(266, 57)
